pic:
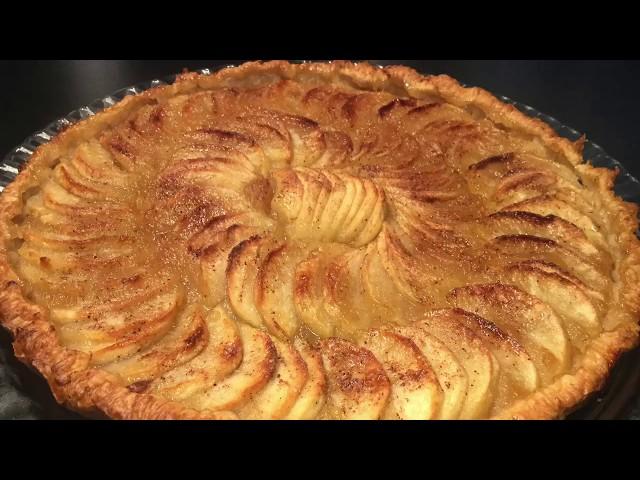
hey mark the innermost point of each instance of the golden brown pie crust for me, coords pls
(86, 389)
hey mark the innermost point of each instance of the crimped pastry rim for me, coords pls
(86, 389)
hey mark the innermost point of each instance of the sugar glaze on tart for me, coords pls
(330, 241)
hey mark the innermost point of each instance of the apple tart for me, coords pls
(317, 241)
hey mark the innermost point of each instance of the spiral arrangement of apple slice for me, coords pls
(291, 251)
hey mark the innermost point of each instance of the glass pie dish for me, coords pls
(24, 396)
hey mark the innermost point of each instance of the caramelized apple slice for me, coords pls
(327, 216)
(530, 321)
(309, 299)
(319, 205)
(307, 139)
(449, 372)
(255, 371)
(481, 367)
(92, 161)
(270, 134)
(213, 172)
(312, 396)
(242, 271)
(365, 223)
(523, 184)
(371, 222)
(552, 205)
(115, 335)
(275, 290)
(358, 386)
(50, 240)
(339, 148)
(415, 391)
(69, 179)
(518, 374)
(344, 299)
(385, 299)
(185, 341)
(529, 247)
(120, 293)
(345, 190)
(353, 203)
(316, 193)
(566, 295)
(309, 290)
(205, 240)
(549, 226)
(288, 194)
(60, 200)
(401, 267)
(223, 139)
(70, 219)
(73, 262)
(215, 259)
(218, 360)
(278, 396)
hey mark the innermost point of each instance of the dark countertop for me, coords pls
(599, 98)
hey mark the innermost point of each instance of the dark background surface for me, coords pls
(598, 98)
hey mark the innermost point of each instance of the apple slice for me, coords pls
(566, 295)
(530, 321)
(255, 371)
(358, 386)
(309, 290)
(185, 341)
(339, 148)
(327, 216)
(288, 195)
(316, 190)
(401, 267)
(344, 299)
(312, 396)
(552, 205)
(216, 172)
(220, 358)
(59, 200)
(338, 215)
(278, 396)
(372, 224)
(117, 335)
(415, 391)
(123, 292)
(74, 259)
(207, 238)
(66, 176)
(523, 184)
(307, 138)
(232, 141)
(384, 299)
(529, 247)
(481, 367)
(451, 375)
(360, 190)
(215, 259)
(242, 272)
(93, 162)
(272, 136)
(518, 374)
(368, 211)
(275, 290)
(71, 220)
(51, 240)
(549, 226)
